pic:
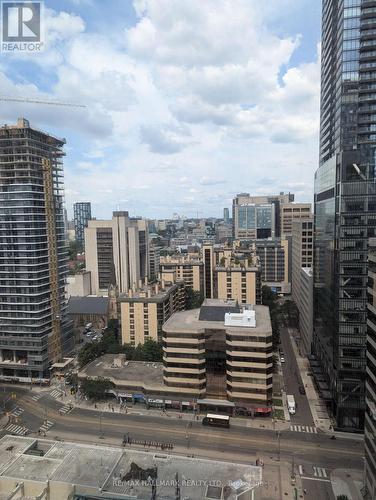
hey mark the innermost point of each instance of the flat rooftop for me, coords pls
(122, 473)
(157, 293)
(147, 373)
(190, 320)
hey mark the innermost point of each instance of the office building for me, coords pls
(35, 330)
(291, 212)
(345, 203)
(370, 421)
(275, 262)
(81, 217)
(221, 351)
(301, 253)
(183, 268)
(258, 216)
(145, 309)
(116, 252)
(226, 215)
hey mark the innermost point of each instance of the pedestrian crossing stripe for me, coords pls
(36, 397)
(56, 393)
(17, 411)
(319, 472)
(47, 425)
(17, 429)
(66, 409)
(303, 428)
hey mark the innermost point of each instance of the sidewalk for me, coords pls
(137, 409)
(317, 406)
(349, 483)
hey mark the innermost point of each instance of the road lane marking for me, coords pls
(316, 479)
(223, 437)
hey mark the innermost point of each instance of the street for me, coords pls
(292, 381)
(247, 444)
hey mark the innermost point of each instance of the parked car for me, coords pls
(282, 359)
(301, 389)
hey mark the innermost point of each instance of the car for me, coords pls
(301, 389)
(282, 359)
(88, 334)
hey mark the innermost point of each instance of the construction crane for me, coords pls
(40, 101)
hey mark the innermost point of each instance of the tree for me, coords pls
(194, 298)
(269, 298)
(152, 351)
(88, 353)
(96, 389)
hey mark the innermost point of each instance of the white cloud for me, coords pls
(199, 100)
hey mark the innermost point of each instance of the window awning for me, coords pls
(216, 402)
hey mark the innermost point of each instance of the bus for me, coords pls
(216, 420)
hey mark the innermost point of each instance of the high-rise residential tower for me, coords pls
(345, 202)
(35, 331)
(117, 252)
(81, 216)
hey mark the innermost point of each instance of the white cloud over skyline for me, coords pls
(206, 92)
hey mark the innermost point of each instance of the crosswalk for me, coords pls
(17, 429)
(303, 428)
(66, 409)
(56, 393)
(17, 411)
(36, 397)
(319, 472)
(46, 426)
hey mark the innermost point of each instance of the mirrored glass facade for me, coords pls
(345, 202)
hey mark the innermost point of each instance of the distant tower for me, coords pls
(226, 215)
(82, 214)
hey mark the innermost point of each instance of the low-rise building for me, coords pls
(46, 469)
(79, 285)
(221, 351)
(85, 310)
(144, 310)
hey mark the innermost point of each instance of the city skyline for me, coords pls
(176, 134)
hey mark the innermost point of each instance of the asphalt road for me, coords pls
(246, 444)
(292, 380)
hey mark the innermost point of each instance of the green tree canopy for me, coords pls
(96, 389)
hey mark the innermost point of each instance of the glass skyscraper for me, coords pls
(345, 202)
(81, 216)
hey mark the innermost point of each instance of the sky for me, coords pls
(187, 102)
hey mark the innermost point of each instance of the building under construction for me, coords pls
(34, 328)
